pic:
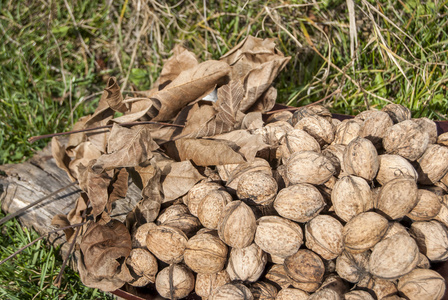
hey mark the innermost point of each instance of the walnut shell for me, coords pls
(347, 131)
(237, 225)
(205, 253)
(442, 216)
(299, 202)
(428, 126)
(335, 153)
(309, 167)
(382, 288)
(397, 197)
(188, 223)
(284, 116)
(423, 262)
(292, 294)
(318, 127)
(246, 264)
(428, 206)
(258, 164)
(406, 139)
(334, 282)
(394, 166)
(443, 139)
(325, 294)
(358, 295)
(422, 284)
(172, 212)
(197, 193)
(295, 141)
(363, 231)
(394, 228)
(257, 188)
(305, 266)
(278, 236)
(324, 236)
(140, 234)
(167, 243)
(206, 284)
(361, 159)
(273, 133)
(175, 281)
(432, 239)
(143, 265)
(352, 266)
(232, 291)
(263, 291)
(277, 274)
(351, 196)
(375, 126)
(397, 112)
(212, 206)
(311, 110)
(433, 164)
(394, 257)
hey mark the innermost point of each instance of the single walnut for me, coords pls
(246, 264)
(428, 126)
(394, 166)
(361, 159)
(143, 265)
(347, 131)
(311, 110)
(197, 193)
(326, 294)
(263, 291)
(175, 281)
(211, 207)
(172, 212)
(324, 236)
(284, 116)
(432, 239)
(375, 126)
(309, 167)
(358, 295)
(422, 284)
(292, 294)
(206, 284)
(397, 198)
(167, 243)
(433, 164)
(258, 164)
(398, 113)
(428, 206)
(232, 291)
(188, 223)
(257, 188)
(353, 266)
(443, 139)
(318, 127)
(295, 141)
(140, 234)
(305, 266)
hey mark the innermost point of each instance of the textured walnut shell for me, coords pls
(257, 188)
(273, 133)
(188, 223)
(433, 164)
(351, 196)
(375, 126)
(167, 243)
(318, 127)
(292, 294)
(432, 239)
(394, 257)
(305, 266)
(237, 225)
(361, 159)
(197, 193)
(442, 216)
(246, 264)
(334, 282)
(358, 295)
(423, 262)
(335, 153)
(284, 116)
(347, 131)
(323, 235)
(382, 288)
(363, 231)
(143, 265)
(140, 234)
(232, 291)
(394, 166)
(299, 202)
(428, 126)
(311, 110)
(443, 139)
(397, 197)
(428, 206)
(211, 207)
(406, 139)
(172, 212)
(309, 167)
(398, 113)
(295, 141)
(277, 274)
(309, 287)
(278, 236)
(327, 294)
(258, 164)
(175, 281)
(422, 284)
(263, 291)
(394, 228)
(205, 253)
(352, 266)
(206, 284)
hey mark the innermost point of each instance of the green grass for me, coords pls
(52, 61)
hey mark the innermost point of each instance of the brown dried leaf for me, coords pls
(75, 215)
(248, 144)
(114, 97)
(137, 110)
(266, 101)
(103, 111)
(127, 147)
(148, 208)
(76, 138)
(205, 152)
(62, 221)
(181, 60)
(96, 186)
(61, 158)
(229, 99)
(198, 118)
(118, 188)
(146, 172)
(84, 153)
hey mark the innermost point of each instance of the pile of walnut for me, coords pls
(356, 209)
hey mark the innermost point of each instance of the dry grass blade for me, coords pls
(353, 32)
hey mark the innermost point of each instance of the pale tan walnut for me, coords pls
(232, 291)
(299, 202)
(175, 281)
(394, 228)
(428, 206)
(364, 115)
(311, 110)
(323, 235)
(422, 284)
(278, 236)
(397, 112)
(423, 261)
(428, 126)
(263, 291)
(205, 253)
(237, 225)
(188, 223)
(375, 126)
(259, 164)
(295, 141)
(206, 284)
(335, 122)
(277, 274)
(442, 216)
(197, 193)
(335, 283)
(352, 266)
(444, 181)
(172, 212)
(394, 166)
(305, 266)
(284, 115)
(140, 234)
(309, 287)
(211, 207)
(292, 294)
(143, 266)
(432, 239)
(443, 139)
(273, 133)
(318, 127)
(358, 295)
(382, 288)
(363, 231)
(257, 188)
(167, 243)
(406, 139)
(347, 131)
(246, 264)
(325, 294)
(361, 159)
(224, 171)
(397, 198)
(276, 259)
(335, 153)
(394, 257)
(351, 196)
(309, 167)
(433, 164)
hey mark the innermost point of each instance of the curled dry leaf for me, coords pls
(60, 157)
(113, 96)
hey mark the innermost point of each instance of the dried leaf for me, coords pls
(189, 86)
(148, 208)
(118, 188)
(205, 152)
(266, 101)
(96, 186)
(198, 118)
(62, 221)
(76, 138)
(137, 110)
(181, 60)
(127, 147)
(114, 97)
(84, 154)
(75, 215)
(229, 99)
(60, 157)
(248, 144)
(252, 120)
(103, 111)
